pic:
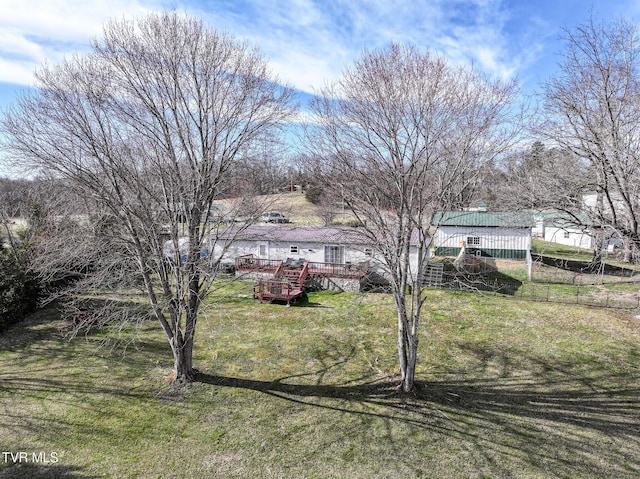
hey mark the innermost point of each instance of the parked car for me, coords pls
(274, 217)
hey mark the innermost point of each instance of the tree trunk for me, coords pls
(183, 372)
(402, 347)
(408, 383)
(596, 260)
(407, 352)
(628, 250)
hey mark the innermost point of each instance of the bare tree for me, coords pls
(553, 182)
(265, 168)
(327, 209)
(148, 128)
(14, 197)
(592, 108)
(402, 134)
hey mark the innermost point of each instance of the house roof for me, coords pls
(487, 219)
(302, 234)
(567, 219)
(298, 234)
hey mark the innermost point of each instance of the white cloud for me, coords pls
(310, 42)
(38, 29)
(14, 44)
(16, 71)
(307, 41)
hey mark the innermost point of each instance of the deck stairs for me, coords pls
(287, 285)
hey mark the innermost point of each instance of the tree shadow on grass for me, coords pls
(536, 412)
(42, 471)
(50, 327)
(612, 411)
(561, 424)
(45, 369)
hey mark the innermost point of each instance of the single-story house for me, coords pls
(492, 234)
(311, 243)
(340, 245)
(574, 230)
(561, 229)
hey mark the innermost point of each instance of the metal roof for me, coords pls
(303, 234)
(300, 234)
(487, 219)
(564, 218)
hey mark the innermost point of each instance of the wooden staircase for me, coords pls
(287, 285)
(296, 277)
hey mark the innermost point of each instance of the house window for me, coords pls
(334, 254)
(566, 235)
(368, 252)
(262, 250)
(293, 249)
(473, 240)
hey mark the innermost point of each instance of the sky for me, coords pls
(309, 42)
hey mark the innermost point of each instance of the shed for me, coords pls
(491, 234)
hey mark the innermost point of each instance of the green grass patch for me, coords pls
(507, 388)
(560, 251)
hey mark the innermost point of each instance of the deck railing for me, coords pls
(338, 270)
(312, 268)
(272, 290)
(278, 272)
(251, 263)
(304, 273)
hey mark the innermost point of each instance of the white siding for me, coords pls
(490, 238)
(282, 250)
(568, 236)
(311, 252)
(538, 229)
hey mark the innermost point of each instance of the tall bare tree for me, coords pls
(542, 179)
(400, 135)
(592, 108)
(148, 128)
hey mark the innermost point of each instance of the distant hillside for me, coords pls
(295, 206)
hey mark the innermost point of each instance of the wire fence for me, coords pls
(588, 291)
(587, 295)
(549, 269)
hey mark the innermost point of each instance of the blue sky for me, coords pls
(308, 42)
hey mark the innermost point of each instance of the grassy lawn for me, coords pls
(561, 251)
(508, 389)
(558, 250)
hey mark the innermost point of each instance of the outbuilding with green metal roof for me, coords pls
(491, 234)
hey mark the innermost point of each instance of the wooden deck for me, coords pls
(272, 290)
(289, 277)
(250, 263)
(287, 285)
(259, 265)
(337, 270)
